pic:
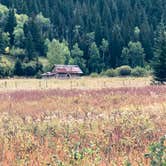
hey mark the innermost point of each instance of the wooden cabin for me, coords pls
(64, 71)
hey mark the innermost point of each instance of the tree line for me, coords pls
(95, 34)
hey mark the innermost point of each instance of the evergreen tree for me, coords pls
(18, 69)
(159, 64)
(125, 56)
(133, 55)
(29, 46)
(10, 25)
(37, 39)
(104, 50)
(77, 55)
(2, 43)
(85, 22)
(94, 61)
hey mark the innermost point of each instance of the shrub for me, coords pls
(124, 70)
(157, 153)
(6, 68)
(139, 72)
(18, 69)
(111, 73)
(18, 53)
(94, 75)
(39, 75)
(102, 73)
(31, 68)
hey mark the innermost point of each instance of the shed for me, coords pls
(64, 71)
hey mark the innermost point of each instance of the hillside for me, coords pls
(96, 34)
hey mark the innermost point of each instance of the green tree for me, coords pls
(17, 52)
(38, 41)
(18, 69)
(18, 36)
(125, 56)
(94, 61)
(18, 33)
(10, 25)
(159, 64)
(77, 55)
(104, 49)
(133, 55)
(6, 68)
(136, 34)
(29, 46)
(57, 52)
(44, 24)
(4, 41)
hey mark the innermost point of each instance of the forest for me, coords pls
(95, 34)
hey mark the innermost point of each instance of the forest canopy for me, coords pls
(96, 34)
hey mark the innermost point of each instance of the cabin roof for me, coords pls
(69, 69)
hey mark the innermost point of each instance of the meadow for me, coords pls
(83, 122)
(79, 83)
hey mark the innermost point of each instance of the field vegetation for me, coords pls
(94, 125)
(93, 82)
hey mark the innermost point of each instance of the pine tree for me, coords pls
(10, 25)
(94, 61)
(37, 39)
(104, 49)
(2, 43)
(18, 70)
(159, 64)
(29, 46)
(77, 55)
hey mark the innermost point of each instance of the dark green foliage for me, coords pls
(124, 70)
(111, 73)
(6, 68)
(159, 64)
(3, 42)
(32, 68)
(29, 46)
(34, 43)
(77, 55)
(139, 72)
(157, 153)
(93, 75)
(18, 69)
(27, 69)
(10, 25)
(100, 29)
(87, 21)
(5, 71)
(94, 59)
(133, 55)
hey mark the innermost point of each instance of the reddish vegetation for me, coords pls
(81, 127)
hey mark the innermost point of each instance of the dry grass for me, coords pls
(81, 83)
(85, 125)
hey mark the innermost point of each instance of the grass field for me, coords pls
(83, 122)
(81, 83)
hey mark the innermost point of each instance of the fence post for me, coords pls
(123, 83)
(40, 84)
(71, 85)
(46, 84)
(16, 85)
(5, 84)
(104, 84)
